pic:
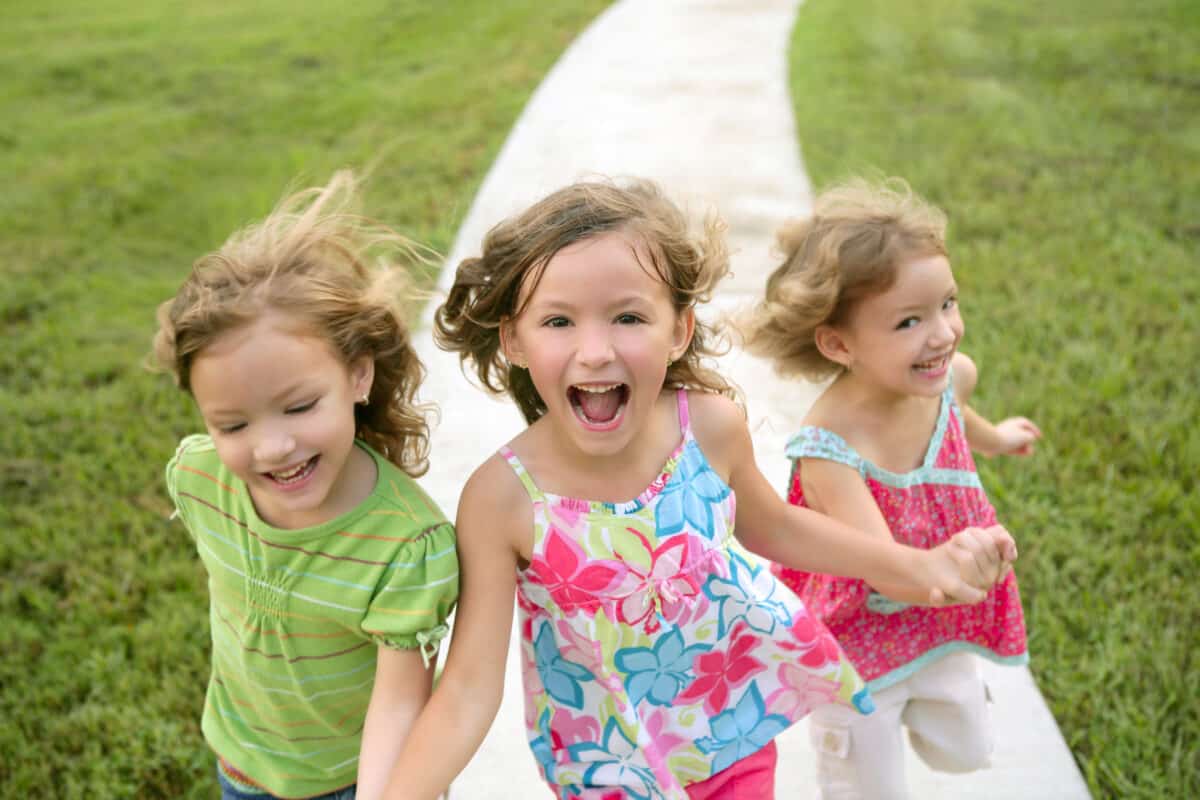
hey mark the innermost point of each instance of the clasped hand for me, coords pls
(966, 567)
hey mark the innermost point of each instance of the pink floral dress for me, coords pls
(655, 653)
(886, 640)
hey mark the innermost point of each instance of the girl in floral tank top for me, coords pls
(660, 659)
(866, 294)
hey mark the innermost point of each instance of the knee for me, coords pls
(969, 751)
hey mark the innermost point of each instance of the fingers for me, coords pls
(1024, 433)
(984, 549)
(1004, 542)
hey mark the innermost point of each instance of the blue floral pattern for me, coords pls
(749, 593)
(657, 674)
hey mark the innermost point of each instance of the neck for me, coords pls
(869, 398)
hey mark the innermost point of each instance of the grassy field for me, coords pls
(1063, 139)
(136, 136)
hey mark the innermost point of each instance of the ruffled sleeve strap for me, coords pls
(411, 606)
(814, 442)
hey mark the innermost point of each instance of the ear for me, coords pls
(510, 345)
(833, 345)
(681, 336)
(362, 375)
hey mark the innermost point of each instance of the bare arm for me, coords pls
(839, 492)
(960, 570)
(1012, 436)
(493, 514)
(402, 686)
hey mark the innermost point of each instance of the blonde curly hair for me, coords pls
(343, 277)
(487, 289)
(849, 248)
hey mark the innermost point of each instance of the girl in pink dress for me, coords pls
(866, 295)
(660, 659)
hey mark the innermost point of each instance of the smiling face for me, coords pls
(280, 408)
(902, 339)
(596, 334)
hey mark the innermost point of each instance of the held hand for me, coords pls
(1017, 436)
(968, 565)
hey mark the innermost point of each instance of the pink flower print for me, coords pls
(664, 742)
(664, 589)
(566, 730)
(720, 671)
(567, 573)
(800, 692)
(568, 512)
(814, 641)
(585, 651)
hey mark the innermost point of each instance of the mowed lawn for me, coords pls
(1063, 139)
(134, 137)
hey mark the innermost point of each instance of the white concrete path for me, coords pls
(693, 94)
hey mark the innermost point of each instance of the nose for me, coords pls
(595, 346)
(273, 446)
(947, 329)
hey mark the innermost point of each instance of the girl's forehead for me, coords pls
(914, 280)
(612, 257)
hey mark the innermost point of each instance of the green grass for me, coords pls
(1063, 139)
(133, 137)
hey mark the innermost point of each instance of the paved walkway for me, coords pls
(693, 94)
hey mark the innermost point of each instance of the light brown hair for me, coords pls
(342, 277)
(487, 290)
(850, 247)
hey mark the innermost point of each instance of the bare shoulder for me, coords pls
(719, 426)
(494, 505)
(831, 412)
(966, 375)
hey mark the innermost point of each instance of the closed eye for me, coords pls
(300, 409)
(233, 428)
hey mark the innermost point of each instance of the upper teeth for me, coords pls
(291, 473)
(598, 388)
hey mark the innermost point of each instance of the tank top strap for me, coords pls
(812, 441)
(685, 416)
(535, 494)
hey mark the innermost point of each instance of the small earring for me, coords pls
(365, 399)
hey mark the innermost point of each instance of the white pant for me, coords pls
(944, 706)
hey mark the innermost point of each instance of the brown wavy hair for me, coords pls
(487, 289)
(849, 248)
(343, 277)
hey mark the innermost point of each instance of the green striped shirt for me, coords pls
(296, 616)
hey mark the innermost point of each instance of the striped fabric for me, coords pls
(296, 616)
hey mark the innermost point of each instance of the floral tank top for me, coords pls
(654, 652)
(887, 640)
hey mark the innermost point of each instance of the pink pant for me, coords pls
(752, 778)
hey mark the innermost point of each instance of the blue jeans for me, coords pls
(231, 792)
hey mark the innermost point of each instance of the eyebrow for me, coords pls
(920, 306)
(561, 305)
(296, 387)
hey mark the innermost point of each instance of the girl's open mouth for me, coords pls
(293, 475)
(934, 366)
(599, 406)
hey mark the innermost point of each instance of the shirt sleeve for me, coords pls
(175, 469)
(411, 605)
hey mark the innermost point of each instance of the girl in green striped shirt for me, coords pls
(331, 573)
